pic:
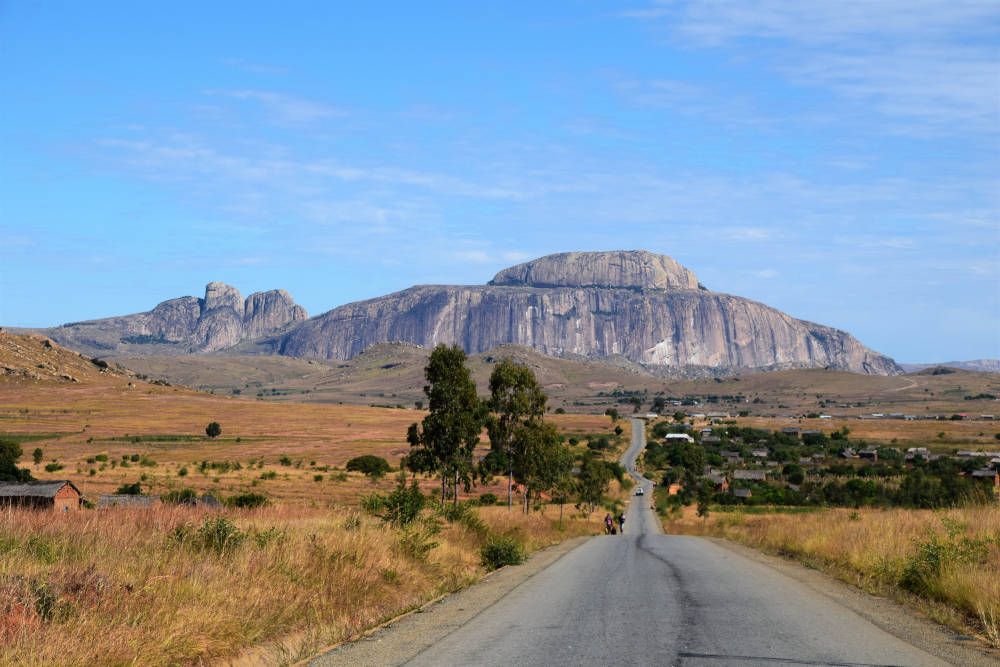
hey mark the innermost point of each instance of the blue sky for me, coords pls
(835, 159)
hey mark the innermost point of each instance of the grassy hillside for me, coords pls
(391, 374)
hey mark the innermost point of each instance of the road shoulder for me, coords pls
(892, 617)
(406, 637)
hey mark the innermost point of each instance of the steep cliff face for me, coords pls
(679, 327)
(186, 325)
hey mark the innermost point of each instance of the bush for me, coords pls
(934, 556)
(369, 464)
(219, 535)
(403, 505)
(213, 430)
(180, 497)
(488, 499)
(133, 489)
(246, 500)
(417, 544)
(501, 550)
(53, 467)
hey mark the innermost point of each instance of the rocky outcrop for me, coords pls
(645, 308)
(635, 269)
(267, 312)
(186, 325)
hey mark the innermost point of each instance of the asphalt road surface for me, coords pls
(644, 598)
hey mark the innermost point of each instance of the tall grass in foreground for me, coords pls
(177, 585)
(950, 559)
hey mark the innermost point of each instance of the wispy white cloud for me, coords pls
(930, 64)
(766, 273)
(748, 233)
(282, 107)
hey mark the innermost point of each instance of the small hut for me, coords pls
(57, 495)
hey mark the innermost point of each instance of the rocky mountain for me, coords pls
(185, 325)
(631, 307)
(634, 305)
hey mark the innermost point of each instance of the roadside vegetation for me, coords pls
(179, 585)
(945, 561)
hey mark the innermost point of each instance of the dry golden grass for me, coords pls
(950, 559)
(114, 587)
(105, 413)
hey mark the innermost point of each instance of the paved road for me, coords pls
(645, 598)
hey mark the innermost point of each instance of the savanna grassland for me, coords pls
(175, 584)
(293, 452)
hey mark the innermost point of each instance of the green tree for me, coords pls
(515, 400)
(541, 458)
(37, 455)
(369, 464)
(10, 452)
(613, 413)
(593, 480)
(213, 430)
(444, 441)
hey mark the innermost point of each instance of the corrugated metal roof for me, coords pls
(33, 489)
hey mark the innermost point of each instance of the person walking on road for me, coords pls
(609, 524)
(621, 523)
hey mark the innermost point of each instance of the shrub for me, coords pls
(285, 460)
(488, 499)
(213, 430)
(219, 535)
(501, 550)
(403, 505)
(317, 478)
(53, 467)
(417, 544)
(182, 472)
(247, 500)
(133, 489)
(924, 567)
(369, 464)
(270, 474)
(180, 497)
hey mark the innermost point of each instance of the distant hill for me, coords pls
(33, 358)
(979, 365)
(392, 375)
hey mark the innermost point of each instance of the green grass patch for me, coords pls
(32, 437)
(767, 509)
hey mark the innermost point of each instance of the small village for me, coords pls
(791, 465)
